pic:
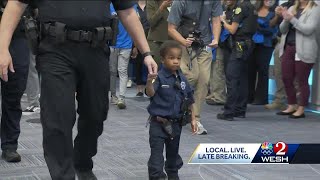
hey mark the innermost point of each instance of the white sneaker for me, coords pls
(121, 103)
(114, 100)
(129, 84)
(201, 129)
(31, 110)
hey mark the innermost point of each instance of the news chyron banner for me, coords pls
(265, 153)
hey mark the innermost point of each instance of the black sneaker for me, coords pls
(225, 117)
(86, 175)
(11, 156)
(139, 94)
(240, 114)
(173, 178)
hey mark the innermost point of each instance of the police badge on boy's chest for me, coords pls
(171, 87)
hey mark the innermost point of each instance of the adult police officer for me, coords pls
(71, 58)
(12, 91)
(241, 22)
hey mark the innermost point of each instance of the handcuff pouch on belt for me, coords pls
(32, 33)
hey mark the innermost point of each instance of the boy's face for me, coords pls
(172, 59)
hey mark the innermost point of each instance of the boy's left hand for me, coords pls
(194, 127)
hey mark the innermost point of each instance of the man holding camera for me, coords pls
(189, 24)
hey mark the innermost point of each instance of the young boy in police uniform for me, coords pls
(168, 91)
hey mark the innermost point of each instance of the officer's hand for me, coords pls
(213, 44)
(194, 127)
(5, 64)
(188, 42)
(151, 64)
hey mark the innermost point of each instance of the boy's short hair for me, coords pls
(168, 45)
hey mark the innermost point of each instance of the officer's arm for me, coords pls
(134, 27)
(10, 19)
(232, 28)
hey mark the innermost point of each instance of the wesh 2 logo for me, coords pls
(274, 153)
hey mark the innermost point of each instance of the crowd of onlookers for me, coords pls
(286, 31)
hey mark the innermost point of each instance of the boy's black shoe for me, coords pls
(11, 156)
(157, 178)
(225, 117)
(139, 94)
(86, 175)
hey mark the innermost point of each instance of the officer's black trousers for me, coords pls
(67, 69)
(158, 138)
(12, 92)
(259, 64)
(236, 80)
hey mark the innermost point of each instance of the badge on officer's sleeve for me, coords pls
(238, 10)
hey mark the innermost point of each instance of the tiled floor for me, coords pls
(124, 149)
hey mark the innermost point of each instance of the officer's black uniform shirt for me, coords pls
(169, 94)
(84, 14)
(243, 13)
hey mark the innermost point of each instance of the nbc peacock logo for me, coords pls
(266, 148)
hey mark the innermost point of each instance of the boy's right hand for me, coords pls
(194, 127)
(151, 77)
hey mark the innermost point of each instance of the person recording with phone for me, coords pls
(189, 23)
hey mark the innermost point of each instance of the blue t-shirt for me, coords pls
(124, 40)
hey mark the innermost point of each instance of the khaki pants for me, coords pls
(280, 94)
(198, 76)
(218, 79)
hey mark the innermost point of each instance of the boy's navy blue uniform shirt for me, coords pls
(167, 99)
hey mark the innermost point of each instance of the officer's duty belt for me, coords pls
(98, 34)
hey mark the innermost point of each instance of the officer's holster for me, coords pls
(241, 47)
(32, 33)
(166, 125)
